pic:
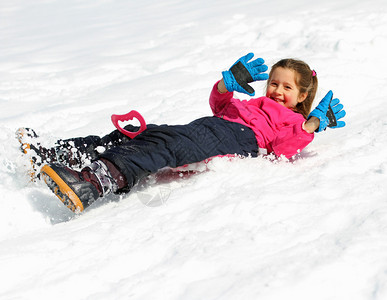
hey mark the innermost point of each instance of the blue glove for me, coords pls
(243, 72)
(329, 112)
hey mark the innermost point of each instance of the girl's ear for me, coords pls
(302, 97)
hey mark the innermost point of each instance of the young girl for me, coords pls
(279, 123)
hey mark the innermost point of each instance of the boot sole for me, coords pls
(61, 189)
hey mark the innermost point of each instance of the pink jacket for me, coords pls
(277, 128)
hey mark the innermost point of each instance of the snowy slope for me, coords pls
(247, 229)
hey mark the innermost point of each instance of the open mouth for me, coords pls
(277, 100)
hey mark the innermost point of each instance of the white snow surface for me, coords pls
(312, 228)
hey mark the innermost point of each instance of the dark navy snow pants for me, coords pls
(176, 145)
(162, 146)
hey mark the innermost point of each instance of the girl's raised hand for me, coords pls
(329, 111)
(243, 72)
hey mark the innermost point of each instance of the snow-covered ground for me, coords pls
(246, 229)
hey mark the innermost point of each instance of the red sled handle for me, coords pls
(129, 116)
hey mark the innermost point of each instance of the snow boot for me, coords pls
(78, 190)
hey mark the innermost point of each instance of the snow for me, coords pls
(314, 228)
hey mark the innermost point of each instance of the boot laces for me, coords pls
(107, 182)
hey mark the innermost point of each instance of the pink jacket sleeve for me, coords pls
(217, 100)
(290, 140)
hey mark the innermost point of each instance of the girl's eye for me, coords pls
(288, 87)
(273, 84)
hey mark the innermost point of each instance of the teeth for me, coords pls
(277, 100)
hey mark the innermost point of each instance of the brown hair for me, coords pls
(306, 81)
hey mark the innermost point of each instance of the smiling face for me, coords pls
(283, 89)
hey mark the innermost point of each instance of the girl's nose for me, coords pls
(278, 90)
